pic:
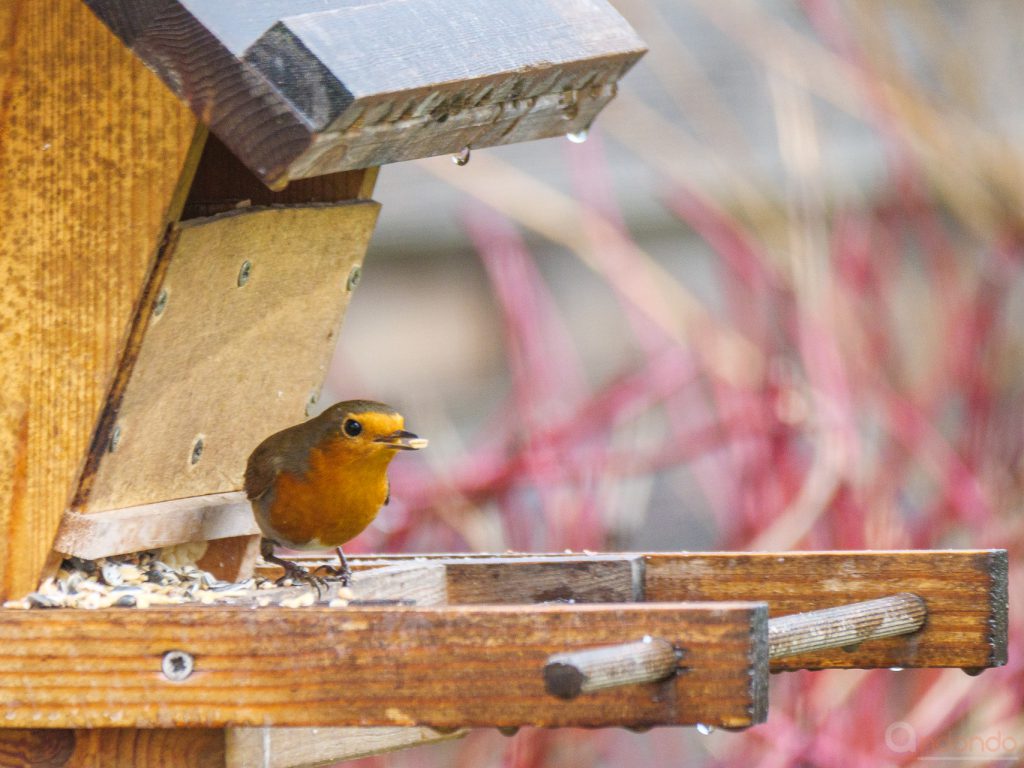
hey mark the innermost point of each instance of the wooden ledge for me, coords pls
(965, 592)
(92, 535)
(445, 667)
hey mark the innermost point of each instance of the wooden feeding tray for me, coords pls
(432, 645)
(184, 306)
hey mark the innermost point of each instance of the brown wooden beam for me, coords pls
(112, 748)
(964, 592)
(444, 667)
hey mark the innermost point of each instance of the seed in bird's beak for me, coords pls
(402, 440)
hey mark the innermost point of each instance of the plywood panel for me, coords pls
(233, 346)
(92, 150)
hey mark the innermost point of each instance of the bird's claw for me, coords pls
(299, 575)
(344, 575)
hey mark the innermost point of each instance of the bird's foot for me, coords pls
(292, 571)
(343, 573)
(296, 574)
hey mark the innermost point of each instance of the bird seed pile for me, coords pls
(143, 579)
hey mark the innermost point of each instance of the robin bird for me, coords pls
(318, 484)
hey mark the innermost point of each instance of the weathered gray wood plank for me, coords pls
(299, 89)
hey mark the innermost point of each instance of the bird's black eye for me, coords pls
(352, 427)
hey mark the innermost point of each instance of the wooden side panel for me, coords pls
(234, 346)
(92, 150)
(445, 667)
(964, 593)
(603, 579)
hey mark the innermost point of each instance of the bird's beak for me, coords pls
(402, 440)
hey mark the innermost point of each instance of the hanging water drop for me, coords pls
(461, 157)
(705, 730)
(578, 137)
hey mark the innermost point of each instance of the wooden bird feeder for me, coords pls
(160, 282)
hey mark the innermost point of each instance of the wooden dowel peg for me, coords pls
(845, 625)
(567, 675)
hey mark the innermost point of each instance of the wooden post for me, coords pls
(845, 626)
(95, 161)
(650, 660)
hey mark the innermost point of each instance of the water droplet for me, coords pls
(578, 137)
(461, 157)
(895, 669)
(705, 730)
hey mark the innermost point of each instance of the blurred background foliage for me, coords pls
(775, 301)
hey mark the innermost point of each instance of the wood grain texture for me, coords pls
(845, 625)
(567, 675)
(112, 748)
(308, 747)
(299, 89)
(224, 362)
(160, 524)
(605, 579)
(486, 579)
(423, 583)
(232, 558)
(223, 183)
(445, 667)
(964, 592)
(93, 149)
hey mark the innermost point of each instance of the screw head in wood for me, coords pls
(244, 272)
(314, 398)
(161, 303)
(177, 665)
(354, 276)
(197, 451)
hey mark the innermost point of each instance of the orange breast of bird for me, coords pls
(332, 502)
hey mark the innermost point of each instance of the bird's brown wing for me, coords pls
(284, 451)
(260, 471)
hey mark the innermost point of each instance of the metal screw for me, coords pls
(161, 303)
(177, 665)
(244, 272)
(115, 438)
(311, 403)
(197, 450)
(354, 276)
